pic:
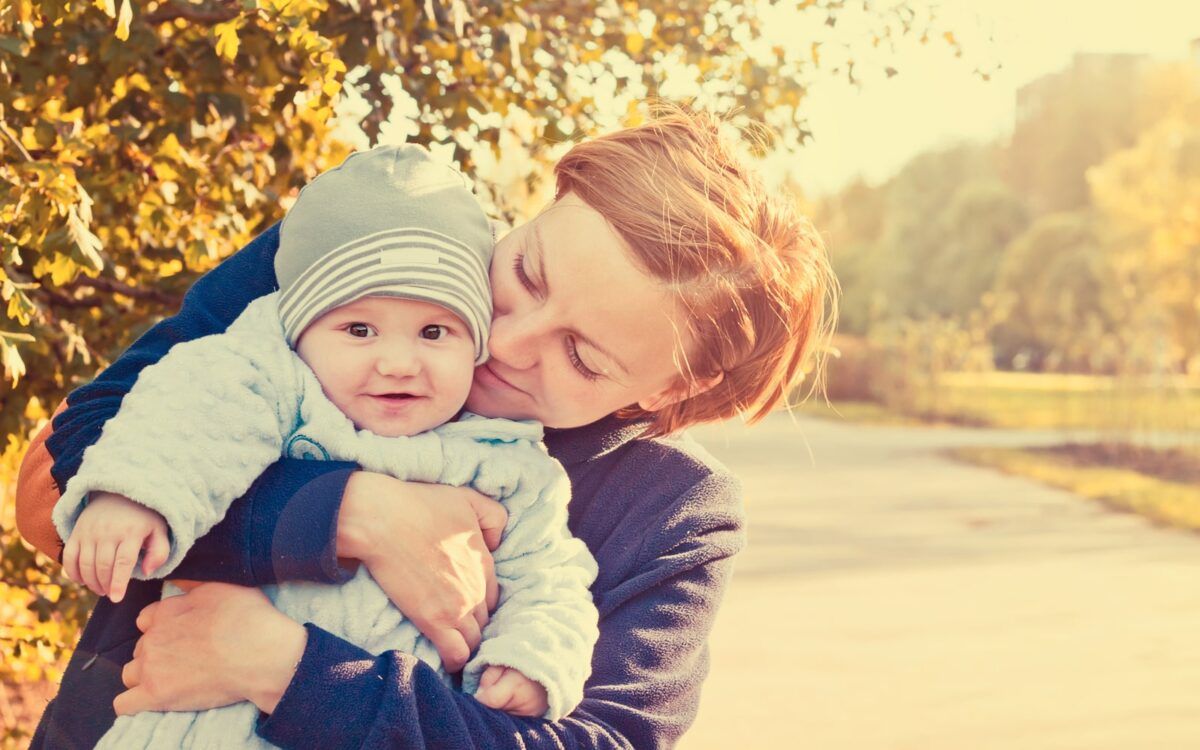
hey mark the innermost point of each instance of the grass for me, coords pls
(1036, 401)
(1160, 485)
(1032, 401)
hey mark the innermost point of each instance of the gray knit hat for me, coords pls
(392, 222)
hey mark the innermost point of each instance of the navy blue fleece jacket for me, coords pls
(662, 518)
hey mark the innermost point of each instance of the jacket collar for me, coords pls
(579, 444)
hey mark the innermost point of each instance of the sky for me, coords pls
(937, 99)
(871, 129)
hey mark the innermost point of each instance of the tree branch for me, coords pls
(194, 13)
(116, 287)
(13, 140)
(54, 299)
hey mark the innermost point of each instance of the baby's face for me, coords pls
(393, 366)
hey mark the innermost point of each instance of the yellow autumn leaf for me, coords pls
(471, 64)
(123, 20)
(227, 39)
(635, 43)
(170, 148)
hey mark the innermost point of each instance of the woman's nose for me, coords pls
(515, 338)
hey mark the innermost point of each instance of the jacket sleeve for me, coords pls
(282, 529)
(646, 670)
(544, 625)
(196, 430)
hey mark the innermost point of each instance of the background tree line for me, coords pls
(1072, 246)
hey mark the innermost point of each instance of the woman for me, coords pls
(662, 288)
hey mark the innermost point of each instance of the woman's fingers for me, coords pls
(133, 701)
(470, 631)
(492, 518)
(452, 647)
(131, 673)
(492, 587)
(145, 618)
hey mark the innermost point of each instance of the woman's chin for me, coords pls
(485, 403)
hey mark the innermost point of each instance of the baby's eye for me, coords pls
(433, 332)
(359, 330)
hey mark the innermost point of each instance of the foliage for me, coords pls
(926, 243)
(142, 142)
(1148, 196)
(1057, 283)
(40, 611)
(1080, 243)
(1071, 120)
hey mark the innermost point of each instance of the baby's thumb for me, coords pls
(157, 550)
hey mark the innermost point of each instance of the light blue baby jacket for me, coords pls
(204, 422)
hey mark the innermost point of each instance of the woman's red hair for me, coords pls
(751, 274)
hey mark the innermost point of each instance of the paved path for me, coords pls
(891, 599)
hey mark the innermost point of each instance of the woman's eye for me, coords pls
(577, 363)
(359, 330)
(433, 332)
(519, 270)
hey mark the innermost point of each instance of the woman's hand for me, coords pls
(428, 547)
(218, 644)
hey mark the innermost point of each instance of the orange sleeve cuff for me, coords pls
(37, 493)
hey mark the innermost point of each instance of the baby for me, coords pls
(365, 354)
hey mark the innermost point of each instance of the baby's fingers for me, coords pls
(529, 699)
(87, 566)
(490, 675)
(158, 548)
(70, 559)
(497, 694)
(106, 552)
(122, 569)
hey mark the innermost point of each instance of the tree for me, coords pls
(1057, 284)
(1072, 120)
(1147, 196)
(142, 142)
(918, 236)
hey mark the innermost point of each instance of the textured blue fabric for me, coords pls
(662, 518)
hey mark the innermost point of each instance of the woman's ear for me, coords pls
(673, 394)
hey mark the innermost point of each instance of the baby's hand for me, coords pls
(506, 689)
(106, 540)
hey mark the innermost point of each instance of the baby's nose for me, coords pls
(396, 361)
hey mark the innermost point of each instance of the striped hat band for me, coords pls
(409, 263)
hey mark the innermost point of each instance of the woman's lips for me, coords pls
(493, 378)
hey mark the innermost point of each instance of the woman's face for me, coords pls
(578, 330)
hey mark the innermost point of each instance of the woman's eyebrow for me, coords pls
(539, 260)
